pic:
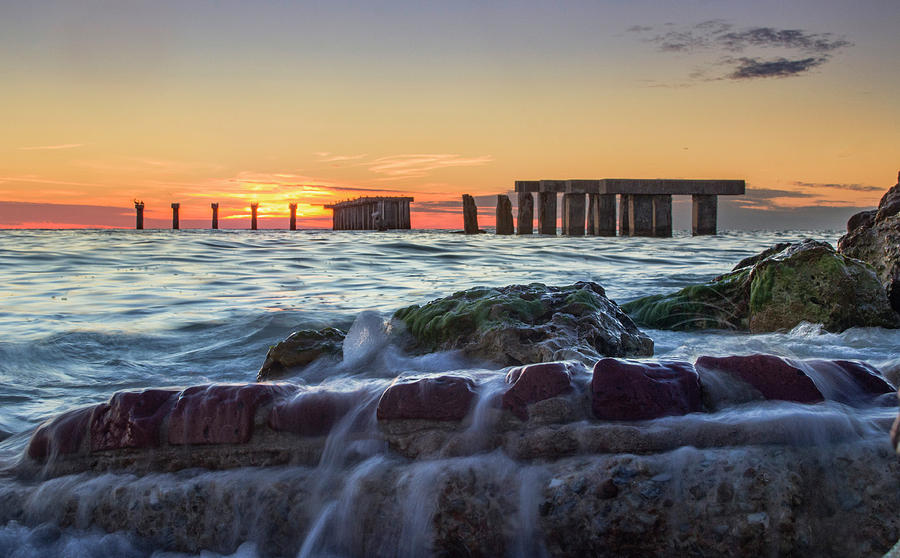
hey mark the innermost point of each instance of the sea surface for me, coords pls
(86, 313)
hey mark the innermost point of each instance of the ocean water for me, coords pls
(84, 314)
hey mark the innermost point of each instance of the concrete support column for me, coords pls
(547, 212)
(573, 211)
(215, 215)
(604, 214)
(293, 208)
(470, 215)
(640, 215)
(175, 207)
(139, 219)
(662, 215)
(525, 217)
(504, 215)
(253, 207)
(624, 210)
(704, 214)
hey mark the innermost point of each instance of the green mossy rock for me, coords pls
(523, 324)
(806, 281)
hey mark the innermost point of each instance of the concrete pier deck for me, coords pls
(645, 205)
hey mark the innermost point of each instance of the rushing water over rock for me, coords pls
(87, 314)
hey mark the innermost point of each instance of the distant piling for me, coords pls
(470, 215)
(175, 207)
(504, 215)
(293, 207)
(253, 207)
(139, 207)
(215, 215)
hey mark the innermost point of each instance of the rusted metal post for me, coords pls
(215, 215)
(293, 207)
(175, 207)
(139, 207)
(253, 207)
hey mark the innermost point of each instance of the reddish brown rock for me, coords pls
(633, 390)
(220, 414)
(866, 380)
(131, 419)
(312, 413)
(445, 398)
(61, 436)
(533, 383)
(774, 377)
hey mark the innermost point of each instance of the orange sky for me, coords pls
(276, 104)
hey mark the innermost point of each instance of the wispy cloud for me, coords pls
(328, 157)
(419, 165)
(801, 51)
(832, 186)
(51, 147)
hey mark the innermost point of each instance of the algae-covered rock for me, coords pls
(806, 281)
(299, 349)
(523, 324)
(874, 237)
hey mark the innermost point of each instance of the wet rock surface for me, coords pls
(874, 237)
(773, 377)
(219, 414)
(522, 324)
(442, 398)
(632, 390)
(131, 420)
(434, 468)
(299, 349)
(536, 382)
(777, 290)
(754, 501)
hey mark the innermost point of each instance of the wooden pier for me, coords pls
(645, 205)
(370, 214)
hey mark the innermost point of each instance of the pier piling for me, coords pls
(371, 213)
(547, 212)
(662, 215)
(573, 214)
(470, 215)
(640, 215)
(293, 208)
(175, 207)
(525, 217)
(215, 215)
(504, 215)
(139, 217)
(253, 208)
(624, 225)
(704, 214)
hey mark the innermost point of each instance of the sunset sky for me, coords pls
(315, 102)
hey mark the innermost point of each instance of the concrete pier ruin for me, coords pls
(139, 216)
(645, 205)
(371, 213)
(175, 225)
(215, 215)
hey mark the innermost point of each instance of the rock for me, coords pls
(298, 350)
(848, 381)
(806, 281)
(533, 383)
(219, 413)
(634, 390)
(312, 413)
(522, 324)
(131, 419)
(61, 436)
(874, 237)
(443, 398)
(753, 260)
(773, 377)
